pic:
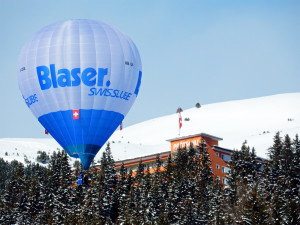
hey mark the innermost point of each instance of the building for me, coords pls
(219, 156)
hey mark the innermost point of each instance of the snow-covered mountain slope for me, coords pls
(255, 120)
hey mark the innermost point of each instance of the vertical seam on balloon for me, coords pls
(42, 93)
(75, 138)
(70, 92)
(105, 102)
(54, 119)
(96, 62)
(49, 112)
(81, 86)
(124, 66)
(62, 30)
(64, 96)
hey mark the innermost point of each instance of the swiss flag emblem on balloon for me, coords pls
(75, 114)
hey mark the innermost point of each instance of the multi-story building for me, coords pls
(219, 156)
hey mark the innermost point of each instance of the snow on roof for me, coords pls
(196, 135)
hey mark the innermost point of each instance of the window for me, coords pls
(218, 166)
(224, 181)
(217, 154)
(225, 169)
(218, 177)
(226, 158)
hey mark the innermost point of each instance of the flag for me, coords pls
(180, 119)
(75, 114)
(121, 125)
(46, 132)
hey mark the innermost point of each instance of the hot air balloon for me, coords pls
(80, 78)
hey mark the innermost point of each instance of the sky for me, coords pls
(192, 51)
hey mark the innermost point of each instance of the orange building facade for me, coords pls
(220, 157)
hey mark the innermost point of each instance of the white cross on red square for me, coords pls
(75, 114)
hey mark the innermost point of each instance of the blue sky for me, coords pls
(192, 51)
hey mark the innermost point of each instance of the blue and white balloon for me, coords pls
(80, 78)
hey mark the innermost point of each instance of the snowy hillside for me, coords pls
(255, 120)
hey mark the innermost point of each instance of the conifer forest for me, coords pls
(181, 191)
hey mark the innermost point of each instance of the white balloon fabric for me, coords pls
(80, 79)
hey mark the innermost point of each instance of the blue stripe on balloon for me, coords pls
(82, 137)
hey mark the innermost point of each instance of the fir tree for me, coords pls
(138, 195)
(295, 180)
(205, 183)
(14, 198)
(180, 185)
(146, 197)
(122, 195)
(254, 207)
(272, 182)
(63, 197)
(108, 172)
(156, 190)
(287, 182)
(35, 194)
(4, 172)
(242, 180)
(168, 191)
(217, 204)
(90, 201)
(127, 211)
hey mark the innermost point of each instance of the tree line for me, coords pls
(182, 191)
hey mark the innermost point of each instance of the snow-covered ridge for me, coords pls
(255, 120)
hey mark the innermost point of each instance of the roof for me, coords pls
(226, 150)
(196, 135)
(143, 158)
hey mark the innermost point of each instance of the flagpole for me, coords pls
(180, 120)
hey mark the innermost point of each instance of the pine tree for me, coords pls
(168, 192)
(35, 195)
(64, 188)
(287, 181)
(254, 207)
(45, 196)
(137, 192)
(90, 201)
(59, 194)
(122, 195)
(156, 190)
(242, 179)
(295, 180)
(146, 196)
(127, 211)
(4, 172)
(14, 198)
(205, 183)
(180, 185)
(109, 211)
(217, 204)
(273, 170)
(58, 186)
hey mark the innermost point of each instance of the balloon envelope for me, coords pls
(80, 78)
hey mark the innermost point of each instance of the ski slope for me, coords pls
(255, 120)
